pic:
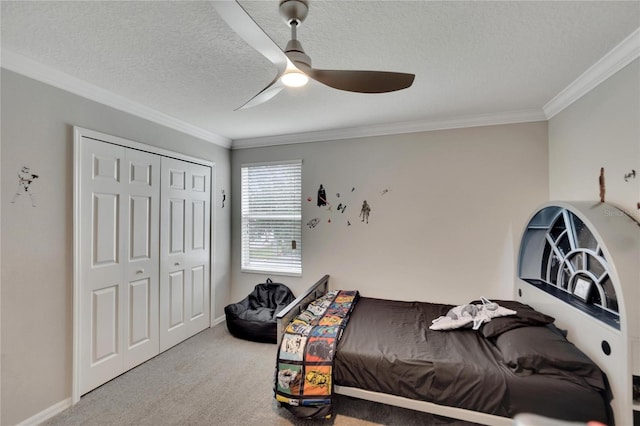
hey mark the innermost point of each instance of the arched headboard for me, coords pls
(580, 262)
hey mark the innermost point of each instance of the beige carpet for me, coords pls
(216, 379)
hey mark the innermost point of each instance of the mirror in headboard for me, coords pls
(580, 262)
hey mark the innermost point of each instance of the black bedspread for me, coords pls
(388, 347)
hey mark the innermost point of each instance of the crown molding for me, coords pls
(479, 120)
(22, 65)
(619, 57)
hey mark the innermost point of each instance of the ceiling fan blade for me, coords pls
(360, 81)
(267, 93)
(248, 29)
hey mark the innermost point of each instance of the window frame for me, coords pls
(248, 265)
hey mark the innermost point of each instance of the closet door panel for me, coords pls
(175, 224)
(140, 312)
(142, 269)
(198, 291)
(141, 223)
(119, 270)
(176, 300)
(101, 300)
(105, 228)
(199, 249)
(185, 252)
(104, 324)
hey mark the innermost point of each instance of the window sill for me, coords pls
(270, 272)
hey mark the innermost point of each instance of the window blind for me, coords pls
(272, 217)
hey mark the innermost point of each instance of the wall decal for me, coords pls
(364, 212)
(25, 179)
(313, 223)
(349, 223)
(602, 185)
(630, 175)
(385, 191)
(322, 196)
(337, 195)
(224, 198)
(309, 199)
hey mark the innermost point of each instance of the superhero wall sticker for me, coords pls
(337, 212)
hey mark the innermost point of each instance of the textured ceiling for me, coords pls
(179, 58)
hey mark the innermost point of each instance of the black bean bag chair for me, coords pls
(254, 317)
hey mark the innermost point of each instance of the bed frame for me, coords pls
(616, 350)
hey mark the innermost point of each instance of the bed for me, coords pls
(388, 354)
(486, 376)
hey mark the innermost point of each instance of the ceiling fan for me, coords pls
(293, 64)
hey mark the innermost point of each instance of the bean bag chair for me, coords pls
(254, 317)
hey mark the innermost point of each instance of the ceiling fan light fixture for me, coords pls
(294, 79)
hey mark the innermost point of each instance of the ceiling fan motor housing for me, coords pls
(295, 53)
(294, 12)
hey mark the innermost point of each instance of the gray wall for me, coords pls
(37, 242)
(601, 129)
(448, 229)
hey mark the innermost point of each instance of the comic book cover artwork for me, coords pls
(317, 380)
(289, 378)
(317, 309)
(319, 349)
(308, 317)
(345, 297)
(330, 320)
(325, 331)
(292, 347)
(299, 327)
(338, 310)
(319, 306)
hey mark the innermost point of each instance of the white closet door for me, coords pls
(184, 251)
(118, 291)
(142, 267)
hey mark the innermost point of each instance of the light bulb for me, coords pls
(294, 79)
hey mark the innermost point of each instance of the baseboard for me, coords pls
(218, 320)
(47, 413)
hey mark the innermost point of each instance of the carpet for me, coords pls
(214, 378)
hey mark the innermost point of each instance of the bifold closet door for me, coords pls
(119, 260)
(184, 250)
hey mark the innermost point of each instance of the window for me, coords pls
(272, 217)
